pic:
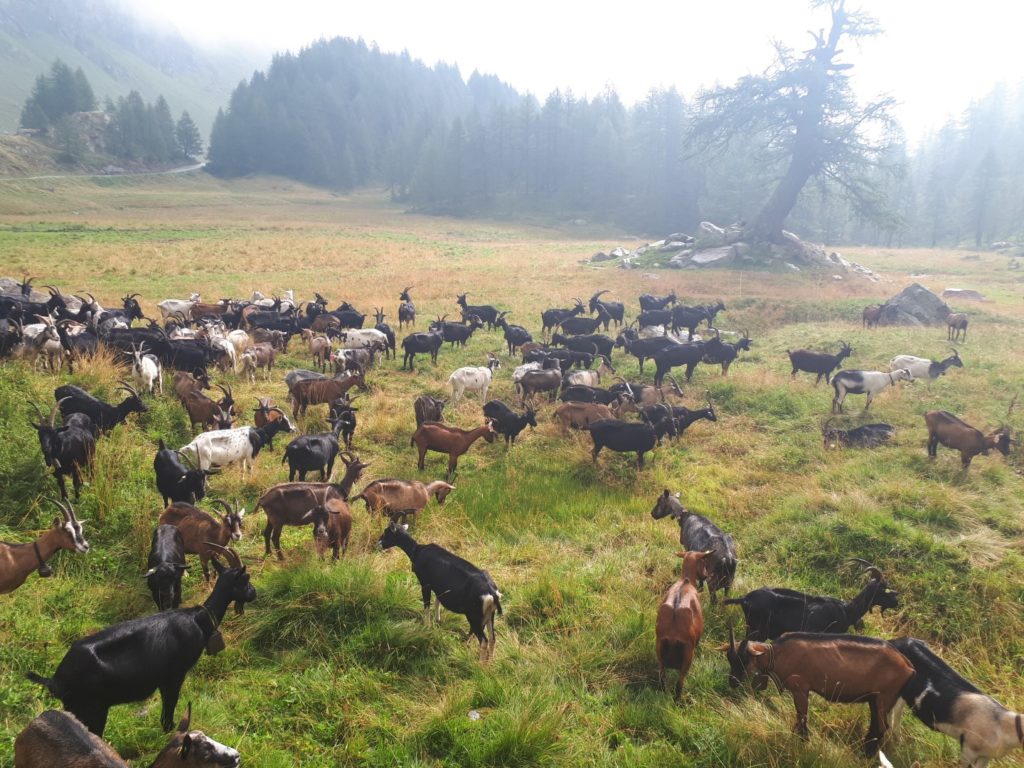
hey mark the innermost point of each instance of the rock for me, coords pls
(671, 246)
(679, 261)
(965, 294)
(641, 250)
(602, 256)
(915, 305)
(719, 256)
(619, 252)
(681, 237)
(743, 250)
(709, 234)
(627, 264)
(999, 245)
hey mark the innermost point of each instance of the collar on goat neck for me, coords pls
(213, 620)
(1020, 730)
(44, 570)
(891, 380)
(770, 670)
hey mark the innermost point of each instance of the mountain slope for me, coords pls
(117, 54)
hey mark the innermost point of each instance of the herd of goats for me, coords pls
(797, 640)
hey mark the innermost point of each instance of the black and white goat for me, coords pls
(868, 383)
(922, 368)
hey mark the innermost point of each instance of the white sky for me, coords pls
(935, 55)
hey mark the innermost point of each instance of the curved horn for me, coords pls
(65, 509)
(232, 557)
(221, 388)
(866, 566)
(227, 508)
(39, 413)
(53, 411)
(187, 458)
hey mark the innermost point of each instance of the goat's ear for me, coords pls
(186, 746)
(755, 651)
(666, 494)
(723, 647)
(57, 522)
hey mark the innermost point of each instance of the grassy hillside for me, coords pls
(333, 666)
(117, 54)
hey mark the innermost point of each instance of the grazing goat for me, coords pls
(457, 333)
(201, 533)
(628, 436)
(718, 352)
(166, 565)
(59, 738)
(177, 481)
(417, 343)
(207, 412)
(431, 436)
(871, 315)
(320, 391)
(839, 668)
(642, 349)
(332, 527)
(552, 318)
(699, 534)
(222, 447)
(587, 343)
(864, 436)
(773, 611)
(956, 324)
(128, 661)
(945, 428)
(868, 383)
(679, 354)
(922, 368)
(485, 312)
(292, 503)
(428, 408)
(67, 450)
(183, 382)
(457, 584)
(105, 416)
(400, 498)
(680, 621)
(946, 702)
(544, 380)
(579, 415)
(170, 307)
(342, 418)
(506, 421)
(17, 561)
(820, 363)
(313, 453)
(319, 348)
(473, 379)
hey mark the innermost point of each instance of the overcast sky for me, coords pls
(934, 56)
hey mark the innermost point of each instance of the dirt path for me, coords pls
(182, 169)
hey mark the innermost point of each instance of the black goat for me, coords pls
(820, 363)
(654, 317)
(580, 393)
(130, 660)
(552, 318)
(459, 585)
(649, 301)
(387, 330)
(628, 436)
(176, 480)
(342, 417)
(457, 333)
(772, 611)
(683, 416)
(166, 564)
(614, 309)
(718, 352)
(681, 354)
(698, 534)
(312, 453)
(642, 349)
(575, 326)
(68, 449)
(428, 408)
(506, 421)
(515, 335)
(429, 343)
(485, 312)
(584, 343)
(76, 400)
(406, 310)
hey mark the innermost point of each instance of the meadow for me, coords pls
(333, 665)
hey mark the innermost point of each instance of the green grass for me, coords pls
(333, 665)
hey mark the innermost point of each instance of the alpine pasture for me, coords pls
(333, 663)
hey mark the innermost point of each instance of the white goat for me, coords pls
(473, 379)
(147, 370)
(922, 368)
(363, 338)
(240, 340)
(168, 307)
(231, 446)
(589, 378)
(248, 363)
(868, 383)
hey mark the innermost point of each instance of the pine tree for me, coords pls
(190, 142)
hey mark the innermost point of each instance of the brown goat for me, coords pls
(945, 428)
(680, 621)
(59, 739)
(871, 315)
(840, 668)
(278, 340)
(17, 561)
(207, 412)
(293, 503)
(396, 498)
(189, 382)
(319, 348)
(262, 355)
(576, 415)
(956, 323)
(199, 529)
(332, 526)
(199, 309)
(265, 412)
(319, 391)
(431, 436)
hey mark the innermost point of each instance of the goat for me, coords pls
(544, 380)
(228, 446)
(773, 611)
(585, 325)
(679, 354)
(864, 436)
(642, 349)
(312, 453)
(400, 498)
(579, 415)
(293, 503)
(166, 564)
(59, 738)
(177, 481)
(945, 428)
(184, 383)
(207, 412)
(342, 417)
(718, 352)
(552, 318)
(922, 368)
(431, 436)
(170, 307)
(415, 343)
(485, 312)
(820, 363)
(457, 333)
(946, 702)
(201, 532)
(515, 335)
(352, 360)
(580, 393)
(319, 348)
(128, 661)
(587, 343)
(428, 408)
(457, 584)
(46, 346)
(506, 421)
(332, 527)
(680, 621)
(67, 450)
(473, 379)
(76, 400)
(868, 383)
(147, 370)
(871, 315)
(627, 436)
(684, 417)
(649, 301)
(956, 324)
(839, 668)
(406, 310)
(265, 412)
(699, 534)
(259, 355)
(387, 331)
(614, 309)
(590, 378)
(317, 392)
(689, 318)
(17, 561)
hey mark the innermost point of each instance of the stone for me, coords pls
(915, 305)
(681, 237)
(709, 234)
(964, 294)
(671, 246)
(719, 256)
(602, 256)
(619, 252)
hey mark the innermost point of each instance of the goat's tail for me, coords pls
(46, 682)
(734, 601)
(412, 441)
